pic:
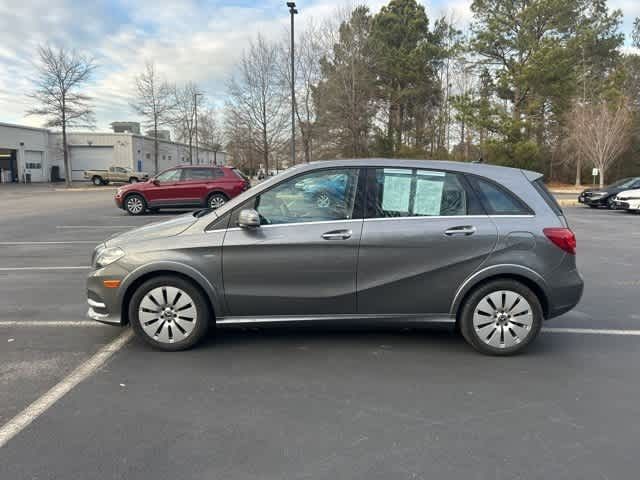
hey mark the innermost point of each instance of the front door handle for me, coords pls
(337, 235)
(462, 230)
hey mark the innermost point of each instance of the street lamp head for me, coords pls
(291, 4)
(294, 11)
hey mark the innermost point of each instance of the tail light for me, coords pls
(246, 186)
(562, 238)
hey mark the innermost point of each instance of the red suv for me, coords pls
(201, 186)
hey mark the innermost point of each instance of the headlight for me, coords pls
(108, 255)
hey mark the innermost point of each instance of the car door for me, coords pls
(424, 233)
(163, 189)
(301, 261)
(192, 188)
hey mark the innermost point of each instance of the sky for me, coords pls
(197, 40)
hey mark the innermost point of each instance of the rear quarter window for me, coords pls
(498, 200)
(547, 196)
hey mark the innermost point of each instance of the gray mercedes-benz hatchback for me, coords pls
(484, 246)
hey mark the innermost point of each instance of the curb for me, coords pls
(86, 189)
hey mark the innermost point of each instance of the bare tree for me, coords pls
(61, 73)
(209, 133)
(256, 101)
(600, 133)
(187, 100)
(154, 101)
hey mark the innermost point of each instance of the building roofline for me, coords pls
(24, 127)
(200, 147)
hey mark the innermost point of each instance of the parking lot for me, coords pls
(306, 402)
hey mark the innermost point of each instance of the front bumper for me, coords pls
(105, 303)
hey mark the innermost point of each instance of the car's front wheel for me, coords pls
(169, 313)
(501, 317)
(135, 204)
(97, 181)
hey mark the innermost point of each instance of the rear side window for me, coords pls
(406, 192)
(497, 200)
(548, 198)
(198, 174)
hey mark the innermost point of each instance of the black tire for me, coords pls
(610, 203)
(97, 180)
(133, 180)
(471, 302)
(216, 198)
(202, 320)
(135, 204)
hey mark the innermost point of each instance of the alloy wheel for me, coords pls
(503, 319)
(323, 200)
(167, 314)
(216, 201)
(134, 205)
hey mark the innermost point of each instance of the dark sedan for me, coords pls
(603, 197)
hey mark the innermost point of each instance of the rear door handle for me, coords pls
(462, 230)
(337, 235)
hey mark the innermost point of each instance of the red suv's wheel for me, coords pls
(135, 204)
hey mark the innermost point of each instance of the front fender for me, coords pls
(214, 294)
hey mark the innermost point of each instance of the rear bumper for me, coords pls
(565, 292)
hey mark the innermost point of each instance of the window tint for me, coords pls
(169, 176)
(498, 201)
(404, 192)
(316, 196)
(195, 174)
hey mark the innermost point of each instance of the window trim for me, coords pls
(475, 207)
(526, 210)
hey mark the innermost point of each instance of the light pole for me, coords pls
(293, 11)
(195, 103)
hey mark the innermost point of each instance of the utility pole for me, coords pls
(195, 107)
(293, 11)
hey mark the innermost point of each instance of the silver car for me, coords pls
(481, 246)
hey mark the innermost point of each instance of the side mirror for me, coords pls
(248, 218)
(155, 181)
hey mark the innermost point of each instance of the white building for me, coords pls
(33, 151)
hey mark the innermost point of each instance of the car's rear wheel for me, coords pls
(216, 200)
(169, 313)
(97, 181)
(501, 317)
(135, 204)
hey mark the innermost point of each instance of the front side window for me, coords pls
(169, 176)
(406, 192)
(323, 195)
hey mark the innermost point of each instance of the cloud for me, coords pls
(197, 40)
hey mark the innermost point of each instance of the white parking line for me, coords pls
(28, 269)
(46, 401)
(92, 227)
(70, 242)
(592, 331)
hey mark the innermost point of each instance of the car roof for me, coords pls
(200, 166)
(483, 169)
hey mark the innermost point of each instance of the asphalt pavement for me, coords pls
(305, 402)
